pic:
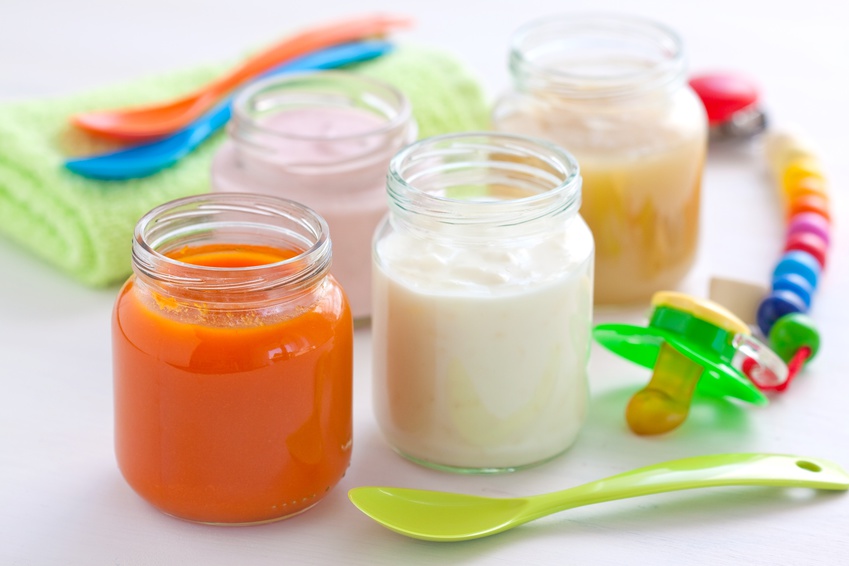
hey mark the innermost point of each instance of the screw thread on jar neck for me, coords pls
(482, 185)
(231, 221)
(591, 57)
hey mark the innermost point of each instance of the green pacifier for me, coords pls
(690, 343)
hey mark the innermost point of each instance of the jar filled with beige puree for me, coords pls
(613, 92)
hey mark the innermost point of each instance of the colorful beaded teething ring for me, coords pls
(781, 315)
(732, 105)
(690, 343)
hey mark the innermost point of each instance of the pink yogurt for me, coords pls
(332, 158)
(809, 222)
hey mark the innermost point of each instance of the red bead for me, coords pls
(724, 94)
(808, 242)
(809, 203)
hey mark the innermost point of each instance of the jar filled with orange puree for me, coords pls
(613, 92)
(232, 356)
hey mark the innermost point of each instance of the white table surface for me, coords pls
(62, 500)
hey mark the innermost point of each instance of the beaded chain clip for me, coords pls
(731, 102)
(782, 314)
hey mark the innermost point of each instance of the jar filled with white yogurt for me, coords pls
(612, 91)
(323, 139)
(482, 303)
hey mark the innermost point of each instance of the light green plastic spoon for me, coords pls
(441, 516)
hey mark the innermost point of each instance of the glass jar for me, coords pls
(613, 91)
(325, 140)
(232, 357)
(482, 303)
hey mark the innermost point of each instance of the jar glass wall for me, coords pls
(325, 140)
(482, 303)
(612, 91)
(232, 357)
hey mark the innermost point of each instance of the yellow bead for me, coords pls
(799, 172)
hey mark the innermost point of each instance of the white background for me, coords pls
(62, 500)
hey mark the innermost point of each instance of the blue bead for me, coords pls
(794, 283)
(776, 305)
(800, 263)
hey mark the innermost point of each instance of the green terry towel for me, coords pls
(85, 227)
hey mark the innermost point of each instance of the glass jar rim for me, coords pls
(242, 101)
(668, 67)
(563, 195)
(175, 219)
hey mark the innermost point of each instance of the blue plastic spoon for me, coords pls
(147, 159)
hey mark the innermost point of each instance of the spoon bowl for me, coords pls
(442, 516)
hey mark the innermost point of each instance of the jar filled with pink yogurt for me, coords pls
(483, 283)
(325, 140)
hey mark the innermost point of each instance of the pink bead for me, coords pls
(809, 222)
(809, 242)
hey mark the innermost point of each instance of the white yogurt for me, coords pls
(480, 352)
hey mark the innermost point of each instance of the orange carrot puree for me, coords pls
(238, 422)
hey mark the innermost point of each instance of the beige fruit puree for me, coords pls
(642, 178)
(613, 92)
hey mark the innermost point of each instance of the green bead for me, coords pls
(791, 332)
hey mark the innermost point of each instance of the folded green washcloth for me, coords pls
(85, 227)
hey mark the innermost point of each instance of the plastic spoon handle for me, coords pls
(329, 58)
(147, 159)
(310, 40)
(161, 119)
(444, 516)
(776, 470)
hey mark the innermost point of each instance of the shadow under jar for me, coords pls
(482, 303)
(232, 360)
(325, 140)
(613, 92)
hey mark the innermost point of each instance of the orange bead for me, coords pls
(809, 203)
(807, 186)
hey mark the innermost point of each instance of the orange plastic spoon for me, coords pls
(150, 122)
